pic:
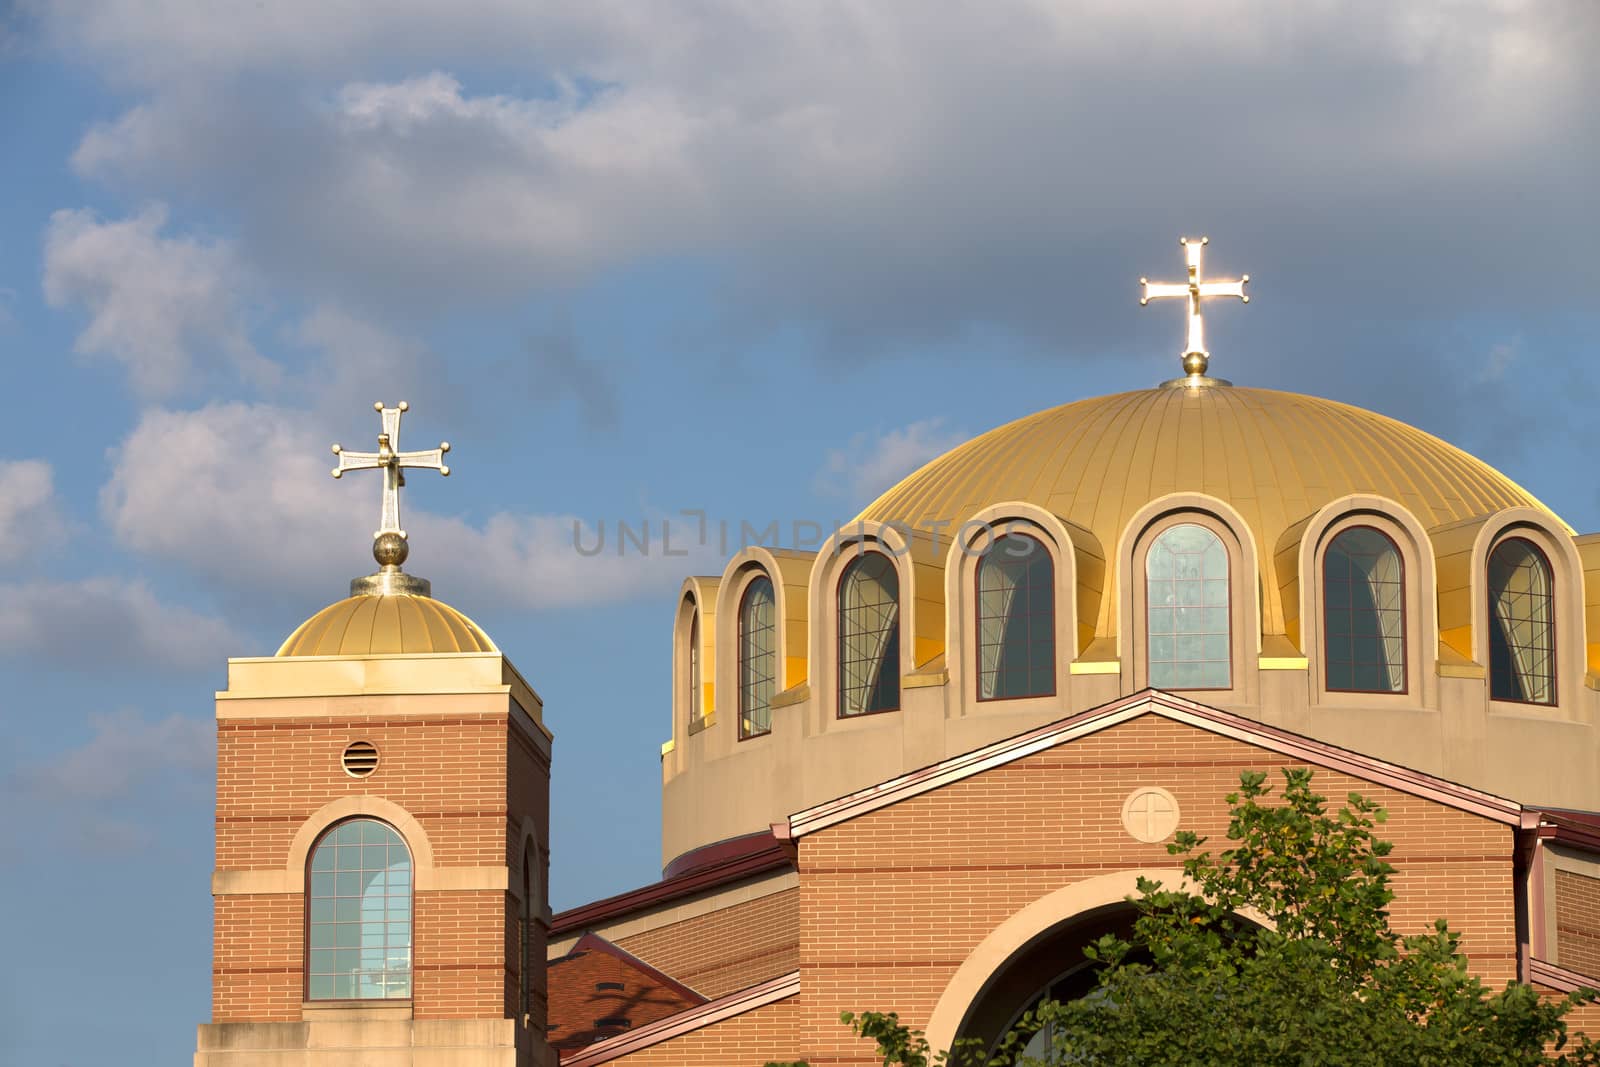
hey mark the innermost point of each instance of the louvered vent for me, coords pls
(360, 759)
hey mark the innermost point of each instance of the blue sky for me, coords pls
(755, 259)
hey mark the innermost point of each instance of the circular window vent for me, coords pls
(360, 759)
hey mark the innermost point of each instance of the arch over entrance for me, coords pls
(988, 988)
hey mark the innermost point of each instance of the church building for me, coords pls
(919, 769)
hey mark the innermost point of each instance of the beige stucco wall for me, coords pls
(715, 785)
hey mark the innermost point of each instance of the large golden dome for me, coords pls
(1275, 457)
(388, 624)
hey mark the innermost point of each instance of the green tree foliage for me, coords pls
(1277, 950)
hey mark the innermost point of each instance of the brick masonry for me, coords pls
(728, 950)
(892, 902)
(469, 780)
(1578, 921)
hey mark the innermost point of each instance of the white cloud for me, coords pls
(125, 751)
(111, 794)
(30, 516)
(887, 171)
(871, 464)
(112, 620)
(179, 491)
(159, 305)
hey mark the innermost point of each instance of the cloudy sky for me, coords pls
(752, 258)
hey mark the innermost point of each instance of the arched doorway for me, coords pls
(1052, 965)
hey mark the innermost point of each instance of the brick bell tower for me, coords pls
(383, 798)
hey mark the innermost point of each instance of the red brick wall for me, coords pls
(894, 901)
(747, 1040)
(1578, 922)
(449, 773)
(724, 951)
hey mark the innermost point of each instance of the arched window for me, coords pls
(359, 928)
(1522, 624)
(758, 657)
(525, 968)
(1364, 615)
(695, 703)
(869, 636)
(1186, 586)
(1016, 620)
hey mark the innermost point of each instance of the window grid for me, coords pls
(1016, 620)
(696, 700)
(358, 932)
(869, 637)
(1522, 647)
(1364, 613)
(1189, 628)
(758, 657)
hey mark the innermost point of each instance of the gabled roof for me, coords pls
(721, 864)
(598, 990)
(757, 996)
(1125, 709)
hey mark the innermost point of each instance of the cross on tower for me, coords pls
(392, 462)
(1195, 357)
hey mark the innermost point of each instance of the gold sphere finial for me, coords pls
(390, 549)
(1195, 363)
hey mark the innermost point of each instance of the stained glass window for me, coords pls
(1016, 620)
(359, 933)
(758, 657)
(869, 636)
(1522, 628)
(1186, 586)
(1364, 619)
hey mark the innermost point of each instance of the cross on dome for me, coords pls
(388, 541)
(1195, 356)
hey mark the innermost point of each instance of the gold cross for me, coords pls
(1195, 357)
(393, 463)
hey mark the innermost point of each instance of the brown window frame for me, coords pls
(977, 619)
(838, 643)
(1143, 590)
(1488, 603)
(760, 575)
(1405, 612)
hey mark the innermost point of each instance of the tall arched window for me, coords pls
(1522, 624)
(1016, 620)
(525, 968)
(1186, 589)
(359, 926)
(758, 657)
(695, 701)
(1364, 615)
(869, 636)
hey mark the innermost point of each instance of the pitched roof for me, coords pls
(1151, 702)
(707, 868)
(726, 1007)
(598, 990)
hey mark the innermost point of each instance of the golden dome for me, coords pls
(388, 624)
(1275, 457)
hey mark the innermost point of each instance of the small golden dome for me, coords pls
(1276, 457)
(386, 624)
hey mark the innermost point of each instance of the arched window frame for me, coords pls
(1396, 540)
(753, 578)
(1243, 583)
(309, 902)
(852, 556)
(1555, 597)
(694, 650)
(1560, 553)
(975, 656)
